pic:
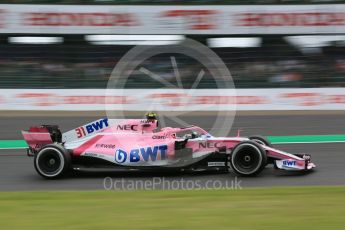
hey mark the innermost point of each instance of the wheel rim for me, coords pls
(247, 159)
(50, 162)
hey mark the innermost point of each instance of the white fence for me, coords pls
(264, 19)
(172, 100)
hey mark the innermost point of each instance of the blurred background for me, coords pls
(289, 44)
(282, 54)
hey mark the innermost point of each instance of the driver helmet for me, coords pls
(194, 134)
(151, 116)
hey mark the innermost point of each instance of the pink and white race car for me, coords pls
(139, 144)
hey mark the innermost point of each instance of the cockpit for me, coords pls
(188, 134)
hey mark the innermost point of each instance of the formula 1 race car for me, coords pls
(138, 144)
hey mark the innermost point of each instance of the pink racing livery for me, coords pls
(140, 144)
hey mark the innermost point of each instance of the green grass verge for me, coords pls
(307, 139)
(12, 144)
(269, 208)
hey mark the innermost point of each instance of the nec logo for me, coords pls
(90, 128)
(142, 154)
(127, 127)
(210, 145)
(289, 163)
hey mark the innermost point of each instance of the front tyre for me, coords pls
(52, 161)
(248, 158)
(264, 142)
(261, 140)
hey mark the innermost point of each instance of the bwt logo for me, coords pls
(142, 154)
(289, 163)
(90, 128)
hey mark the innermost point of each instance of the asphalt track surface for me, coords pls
(17, 172)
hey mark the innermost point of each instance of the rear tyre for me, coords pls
(248, 159)
(52, 161)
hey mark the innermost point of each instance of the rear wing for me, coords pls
(39, 136)
(111, 125)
